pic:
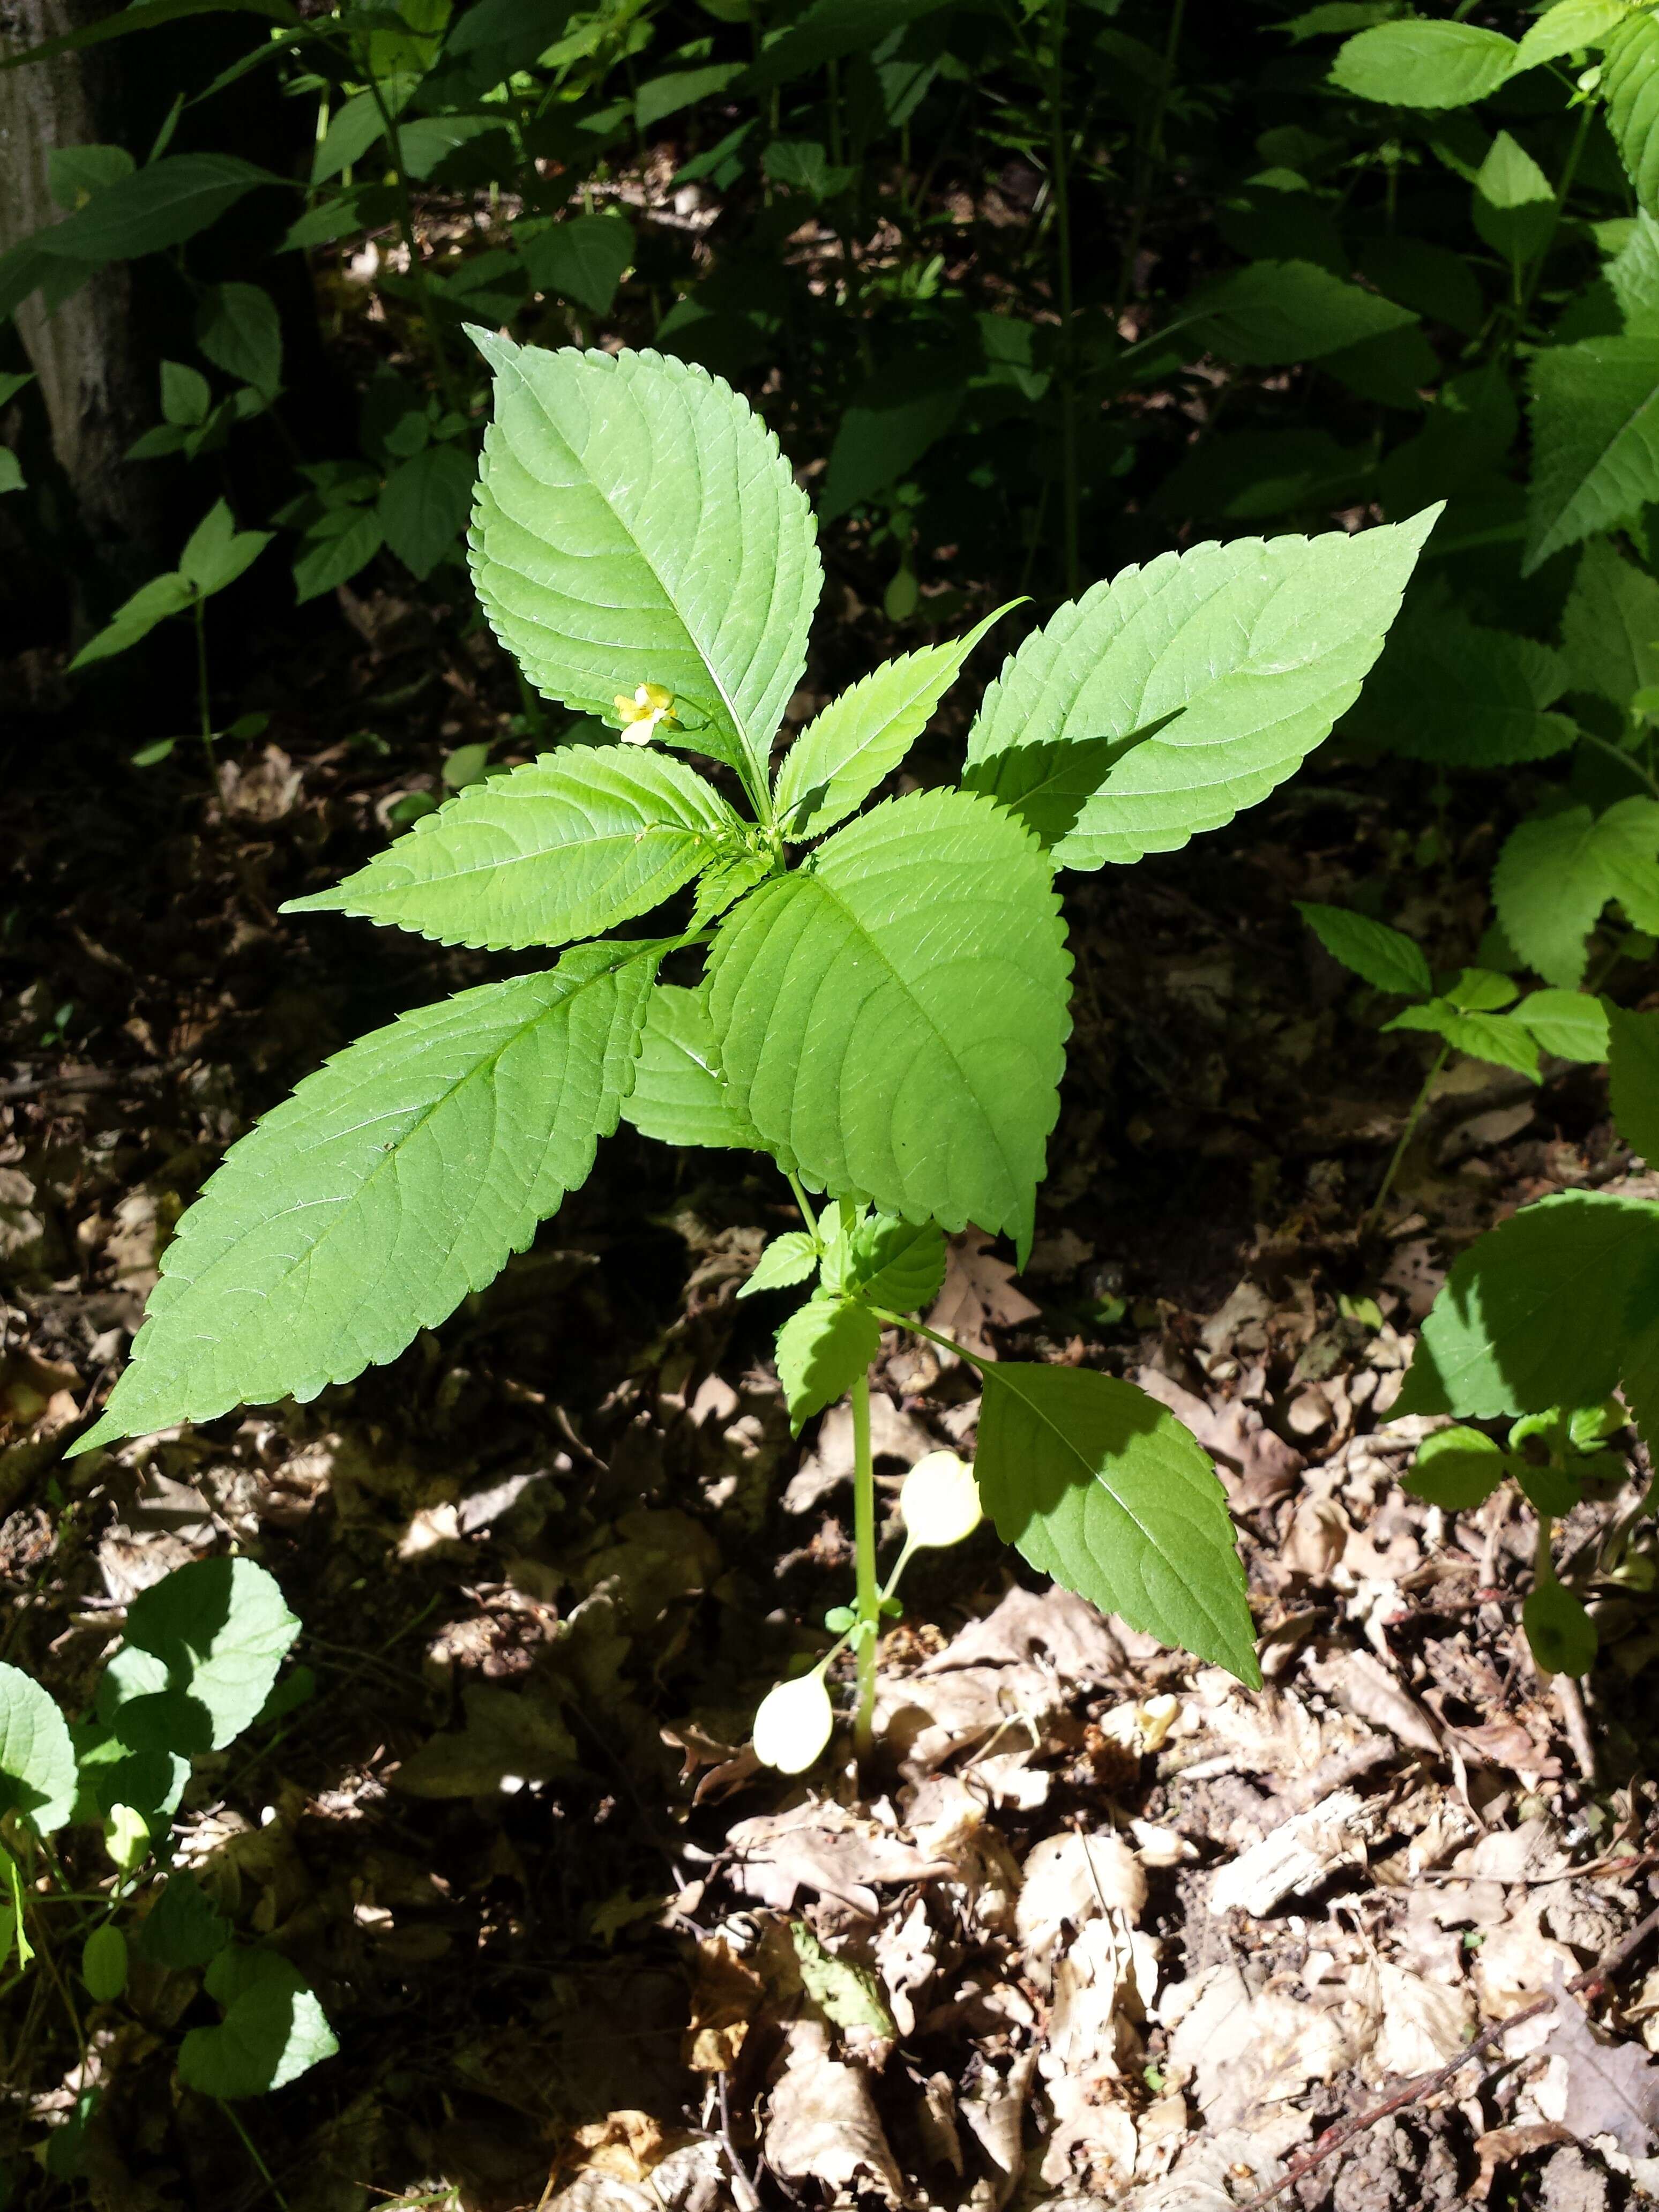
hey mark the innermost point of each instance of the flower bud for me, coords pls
(793, 1723)
(938, 1500)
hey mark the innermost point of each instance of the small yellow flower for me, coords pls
(650, 705)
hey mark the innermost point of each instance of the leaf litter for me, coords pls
(1098, 1924)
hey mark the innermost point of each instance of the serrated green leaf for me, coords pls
(1633, 1077)
(725, 880)
(788, 1259)
(150, 603)
(1049, 785)
(157, 206)
(182, 1928)
(636, 523)
(1571, 1024)
(423, 506)
(1610, 625)
(1566, 26)
(1261, 643)
(1639, 1366)
(238, 330)
(1595, 440)
(1630, 93)
(1557, 871)
(36, 1758)
(1533, 1315)
(1386, 959)
(1561, 1633)
(1461, 695)
(221, 1629)
(1100, 1487)
(822, 1350)
(892, 1016)
(1271, 312)
(680, 1095)
(1424, 64)
(838, 760)
(563, 848)
(895, 1264)
(582, 257)
(334, 548)
(1456, 1469)
(273, 2030)
(1494, 1038)
(1515, 208)
(391, 1183)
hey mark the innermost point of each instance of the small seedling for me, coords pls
(883, 1001)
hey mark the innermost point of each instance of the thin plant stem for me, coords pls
(1624, 759)
(868, 1607)
(1543, 1557)
(1147, 167)
(204, 705)
(801, 1201)
(917, 1328)
(1374, 1214)
(248, 2145)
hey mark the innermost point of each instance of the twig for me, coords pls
(1338, 2138)
(91, 1079)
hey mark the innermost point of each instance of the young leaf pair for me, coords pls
(884, 1014)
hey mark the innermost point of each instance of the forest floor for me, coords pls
(1095, 1922)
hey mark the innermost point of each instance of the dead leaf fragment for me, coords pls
(724, 2003)
(978, 1295)
(1605, 2088)
(823, 2122)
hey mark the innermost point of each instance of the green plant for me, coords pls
(884, 1014)
(215, 556)
(1468, 1013)
(1543, 1318)
(197, 1665)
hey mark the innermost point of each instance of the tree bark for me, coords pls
(97, 390)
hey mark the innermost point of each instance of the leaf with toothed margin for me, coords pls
(394, 1180)
(636, 523)
(891, 1017)
(1100, 1487)
(563, 848)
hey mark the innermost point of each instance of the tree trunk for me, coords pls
(99, 392)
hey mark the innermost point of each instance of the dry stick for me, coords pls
(1338, 2138)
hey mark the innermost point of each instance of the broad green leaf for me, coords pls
(1557, 871)
(1270, 311)
(142, 15)
(838, 760)
(636, 523)
(104, 1963)
(563, 848)
(156, 207)
(150, 603)
(680, 1096)
(582, 257)
(890, 423)
(1429, 279)
(1533, 1315)
(1049, 785)
(11, 470)
(1482, 991)
(845, 1992)
(1387, 958)
(788, 1259)
(1460, 694)
(182, 1928)
(828, 29)
(660, 97)
(1252, 475)
(1493, 1037)
(1633, 1077)
(37, 1759)
(1515, 208)
(892, 1016)
(1456, 1468)
(1639, 1364)
(74, 173)
(424, 505)
(238, 328)
(1630, 93)
(221, 1629)
(1424, 64)
(355, 128)
(1610, 625)
(1566, 26)
(216, 552)
(1262, 642)
(335, 549)
(273, 2030)
(1569, 1023)
(1100, 1487)
(822, 1351)
(186, 395)
(1632, 275)
(895, 1264)
(1596, 439)
(394, 1180)
(1561, 1633)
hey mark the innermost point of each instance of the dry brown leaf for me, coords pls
(823, 2123)
(1263, 1466)
(724, 2002)
(1360, 1684)
(1297, 1856)
(992, 2109)
(1051, 1624)
(1420, 2023)
(978, 1295)
(1600, 2088)
(1501, 2147)
(824, 1851)
(1068, 1880)
(1244, 2053)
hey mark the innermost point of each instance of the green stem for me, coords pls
(801, 1201)
(1624, 759)
(868, 1606)
(1543, 1559)
(1146, 168)
(1374, 1214)
(1059, 179)
(917, 1328)
(265, 2174)
(204, 705)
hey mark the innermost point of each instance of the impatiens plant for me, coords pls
(877, 999)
